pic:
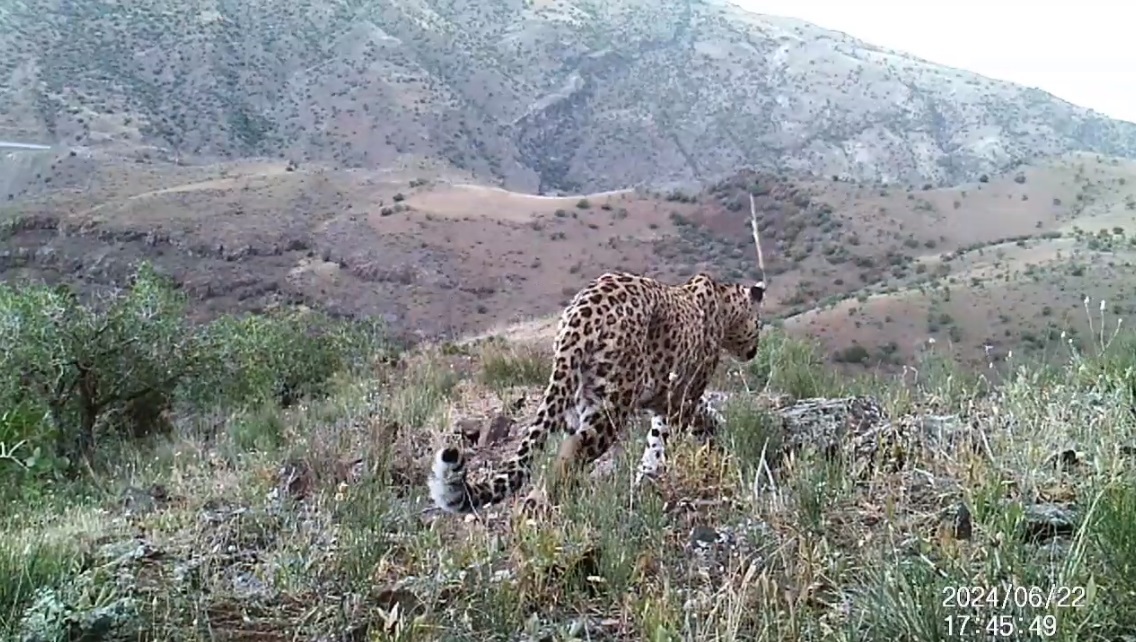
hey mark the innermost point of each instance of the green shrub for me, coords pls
(114, 367)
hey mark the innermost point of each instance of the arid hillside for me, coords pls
(874, 272)
(1015, 263)
(539, 96)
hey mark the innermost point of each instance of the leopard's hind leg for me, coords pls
(600, 425)
(700, 419)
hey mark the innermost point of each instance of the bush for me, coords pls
(115, 366)
(855, 353)
(72, 367)
(251, 359)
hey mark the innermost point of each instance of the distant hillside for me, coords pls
(534, 95)
(1005, 261)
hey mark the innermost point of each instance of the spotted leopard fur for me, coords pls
(625, 343)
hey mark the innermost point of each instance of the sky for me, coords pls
(1083, 52)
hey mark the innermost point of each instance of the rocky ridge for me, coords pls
(535, 95)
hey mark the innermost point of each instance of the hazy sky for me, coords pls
(1083, 51)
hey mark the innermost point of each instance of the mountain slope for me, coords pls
(872, 272)
(536, 95)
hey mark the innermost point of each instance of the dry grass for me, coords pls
(308, 523)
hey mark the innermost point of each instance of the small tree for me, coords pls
(116, 362)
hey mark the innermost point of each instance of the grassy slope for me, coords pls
(999, 274)
(218, 549)
(209, 535)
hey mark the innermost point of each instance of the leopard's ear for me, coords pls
(757, 292)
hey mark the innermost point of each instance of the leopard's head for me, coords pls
(734, 311)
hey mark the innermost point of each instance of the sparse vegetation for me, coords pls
(257, 80)
(82, 373)
(820, 233)
(221, 445)
(241, 521)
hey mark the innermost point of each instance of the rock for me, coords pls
(963, 526)
(858, 429)
(1066, 459)
(246, 586)
(830, 423)
(496, 432)
(296, 479)
(716, 551)
(854, 427)
(702, 537)
(470, 430)
(137, 501)
(1045, 522)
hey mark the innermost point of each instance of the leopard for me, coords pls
(625, 344)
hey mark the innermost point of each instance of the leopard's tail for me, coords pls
(453, 493)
